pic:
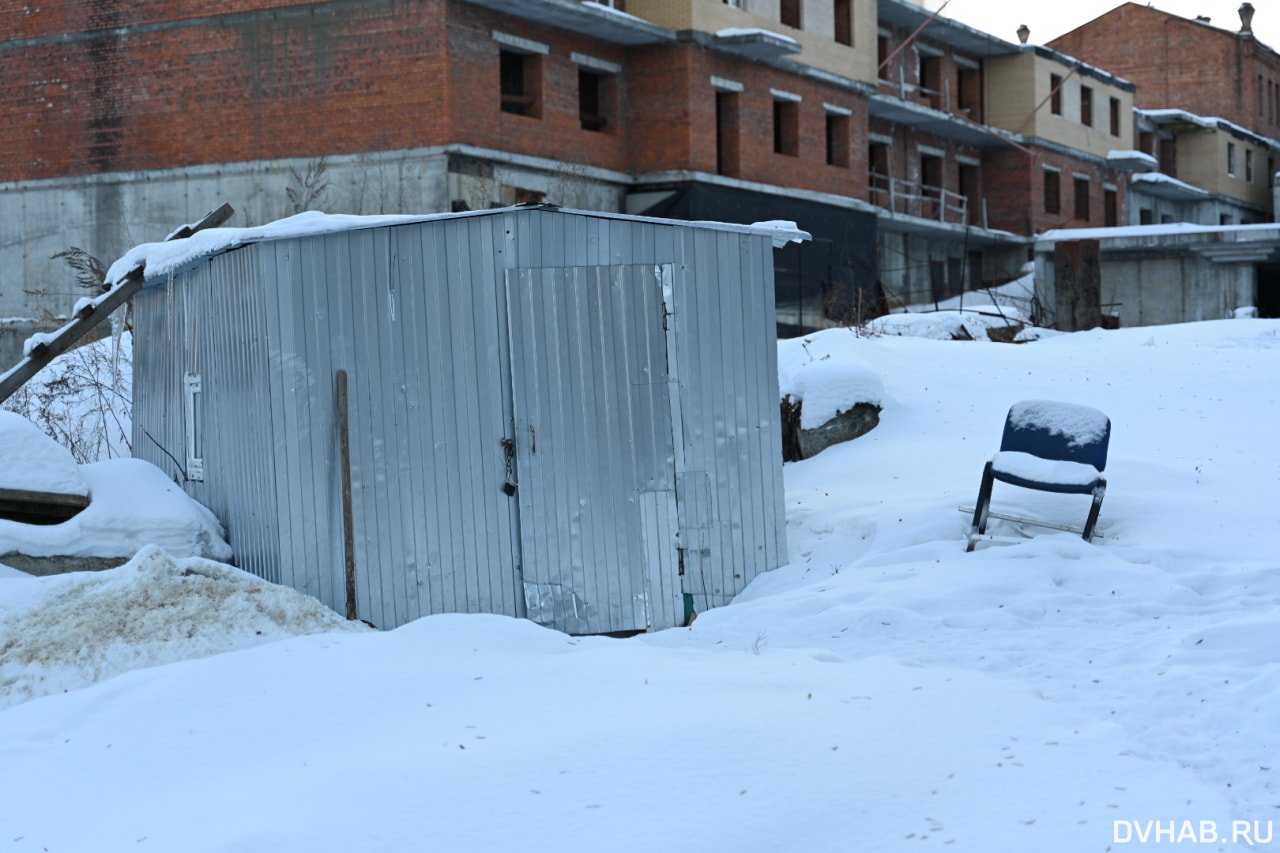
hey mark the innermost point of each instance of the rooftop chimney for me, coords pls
(1246, 17)
(1024, 33)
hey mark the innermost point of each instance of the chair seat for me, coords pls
(1046, 475)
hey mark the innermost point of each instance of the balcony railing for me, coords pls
(924, 201)
(938, 99)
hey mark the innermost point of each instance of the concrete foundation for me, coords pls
(108, 214)
(1162, 274)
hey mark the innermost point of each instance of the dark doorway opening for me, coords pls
(1269, 291)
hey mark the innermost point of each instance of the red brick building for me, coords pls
(1190, 64)
(918, 158)
(1209, 111)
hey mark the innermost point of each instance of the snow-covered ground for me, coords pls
(885, 691)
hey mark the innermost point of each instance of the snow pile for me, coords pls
(31, 461)
(70, 631)
(132, 504)
(826, 371)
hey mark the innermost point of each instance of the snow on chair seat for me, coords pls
(1052, 475)
(1051, 447)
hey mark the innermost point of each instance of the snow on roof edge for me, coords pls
(164, 258)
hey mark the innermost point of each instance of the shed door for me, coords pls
(594, 446)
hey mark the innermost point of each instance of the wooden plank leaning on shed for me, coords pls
(92, 314)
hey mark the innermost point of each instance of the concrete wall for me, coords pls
(1205, 211)
(108, 214)
(1150, 289)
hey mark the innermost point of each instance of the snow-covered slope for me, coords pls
(885, 691)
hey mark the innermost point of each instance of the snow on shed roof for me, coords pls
(161, 259)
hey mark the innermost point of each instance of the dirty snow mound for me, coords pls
(91, 626)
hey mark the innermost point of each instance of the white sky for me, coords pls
(1048, 20)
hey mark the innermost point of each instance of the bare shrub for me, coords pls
(84, 399)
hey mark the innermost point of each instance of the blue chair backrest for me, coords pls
(1053, 430)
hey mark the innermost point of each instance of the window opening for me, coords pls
(786, 128)
(519, 82)
(1052, 192)
(1055, 96)
(837, 140)
(971, 93)
(844, 21)
(727, 133)
(595, 100)
(1082, 199)
(790, 13)
(1086, 106)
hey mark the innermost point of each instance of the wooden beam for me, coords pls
(91, 315)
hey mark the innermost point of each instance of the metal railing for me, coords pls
(924, 201)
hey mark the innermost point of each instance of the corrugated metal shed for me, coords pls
(566, 416)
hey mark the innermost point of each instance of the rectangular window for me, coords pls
(727, 133)
(1086, 106)
(1082, 199)
(1115, 116)
(737, 4)
(1261, 109)
(837, 140)
(1052, 191)
(971, 93)
(931, 79)
(596, 100)
(1169, 157)
(970, 189)
(1146, 216)
(1110, 209)
(1231, 159)
(844, 21)
(1248, 165)
(520, 81)
(883, 49)
(790, 13)
(878, 172)
(931, 179)
(193, 415)
(786, 128)
(1055, 94)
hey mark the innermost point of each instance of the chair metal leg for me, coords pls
(1099, 492)
(979, 525)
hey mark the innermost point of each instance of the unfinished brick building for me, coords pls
(1209, 110)
(919, 152)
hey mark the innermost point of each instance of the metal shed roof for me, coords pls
(161, 259)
